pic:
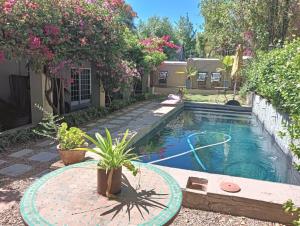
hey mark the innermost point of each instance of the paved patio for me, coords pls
(22, 165)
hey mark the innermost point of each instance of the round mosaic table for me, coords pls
(68, 196)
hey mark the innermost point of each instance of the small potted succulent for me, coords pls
(67, 138)
(113, 153)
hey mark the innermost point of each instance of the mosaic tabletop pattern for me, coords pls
(68, 196)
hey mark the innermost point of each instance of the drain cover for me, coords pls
(230, 187)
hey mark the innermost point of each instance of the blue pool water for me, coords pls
(218, 142)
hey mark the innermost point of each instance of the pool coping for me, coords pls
(257, 199)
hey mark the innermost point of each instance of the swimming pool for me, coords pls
(219, 142)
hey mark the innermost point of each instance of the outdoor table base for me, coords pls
(68, 196)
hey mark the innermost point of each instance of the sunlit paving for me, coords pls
(138, 112)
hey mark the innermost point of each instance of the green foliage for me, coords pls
(186, 35)
(191, 71)
(49, 125)
(227, 65)
(201, 44)
(256, 24)
(114, 153)
(289, 207)
(70, 138)
(275, 75)
(80, 117)
(19, 136)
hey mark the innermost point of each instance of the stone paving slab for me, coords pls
(44, 143)
(109, 126)
(91, 124)
(21, 153)
(117, 121)
(15, 170)
(125, 118)
(43, 156)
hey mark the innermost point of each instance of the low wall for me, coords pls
(273, 121)
(174, 90)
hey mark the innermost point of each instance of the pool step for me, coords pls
(235, 115)
(217, 108)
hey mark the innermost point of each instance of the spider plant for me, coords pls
(114, 153)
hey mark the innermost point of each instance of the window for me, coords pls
(202, 76)
(215, 77)
(81, 86)
(162, 80)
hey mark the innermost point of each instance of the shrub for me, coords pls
(275, 75)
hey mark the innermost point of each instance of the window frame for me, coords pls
(161, 79)
(211, 77)
(202, 72)
(80, 101)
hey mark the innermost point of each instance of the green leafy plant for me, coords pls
(49, 125)
(113, 153)
(70, 138)
(191, 71)
(289, 207)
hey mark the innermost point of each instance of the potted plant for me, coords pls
(67, 138)
(113, 155)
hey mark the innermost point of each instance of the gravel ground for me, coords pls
(12, 191)
(190, 217)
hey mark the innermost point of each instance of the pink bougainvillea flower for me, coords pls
(2, 56)
(83, 41)
(50, 29)
(81, 25)
(78, 10)
(8, 5)
(31, 5)
(34, 42)
(248, 52)
(48, 53)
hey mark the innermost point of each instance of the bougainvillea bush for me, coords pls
(53, 34)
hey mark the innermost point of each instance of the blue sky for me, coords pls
(167, 8)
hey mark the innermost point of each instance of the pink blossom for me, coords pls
(50, 29)
(48, 53)
(83, 41)
(2, 56)
(78, 10)
(81, 25)
(8, 5)
(248, 52)
(34, 42)
(32, 5)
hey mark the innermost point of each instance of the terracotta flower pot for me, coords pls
(102, 178)
(70, 157)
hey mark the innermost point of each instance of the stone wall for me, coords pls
(273, 121)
